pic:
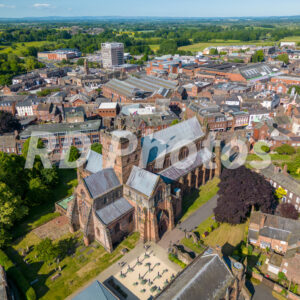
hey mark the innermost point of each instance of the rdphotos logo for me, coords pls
(233, 155)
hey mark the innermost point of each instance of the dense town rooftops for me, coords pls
(276, 227)
(63, 128)
(286, 181)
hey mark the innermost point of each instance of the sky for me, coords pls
(159, 8)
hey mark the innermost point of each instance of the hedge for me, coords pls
(177, 261)
(17, 276)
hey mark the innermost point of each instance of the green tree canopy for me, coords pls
(47, 250)
(285, 149)
(11, 206)
(284, 58)
(258, 56)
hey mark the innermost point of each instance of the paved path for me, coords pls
(262, 292)
(192, 222)
(199, 216)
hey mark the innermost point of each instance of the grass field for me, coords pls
(21, 47)
(226, 236)
(201, 46)
(154, 47)
(196, 199)
(291, 39)
(78, 268)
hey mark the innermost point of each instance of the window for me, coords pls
(117, 228)
(98, 231)
(130, 219)
(291, 195)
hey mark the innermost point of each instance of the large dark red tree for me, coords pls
(240, 189)
(288, 210)
(8, 123)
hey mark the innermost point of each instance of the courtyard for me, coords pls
(146, 275)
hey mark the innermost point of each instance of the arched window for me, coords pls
(117, 228)
(98, 231)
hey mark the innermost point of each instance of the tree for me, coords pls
(258, 56)
(213, 51)
(13, 173)
(280, 193)
(288, 210)
(265, 149)
(38, 192)
(8, 123)
(46, 250)
(281, 277)
(168, 47)
(80, 62)
(97, 148)
(74, 154)
(32, 63)
(11, 206)
(240, 189)
(285, 149)
(284, 58)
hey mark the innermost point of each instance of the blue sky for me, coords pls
(169, 8)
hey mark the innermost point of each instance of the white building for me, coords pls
(112, 54)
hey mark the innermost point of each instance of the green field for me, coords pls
(154, 47)
(21, 47)
(84, 264)
(201, 46)
(291, 39)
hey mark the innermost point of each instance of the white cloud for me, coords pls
(7, 6)
(41, 5)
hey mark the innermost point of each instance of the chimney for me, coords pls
(285, 168)
(262, 221)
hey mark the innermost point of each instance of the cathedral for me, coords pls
(140, 187)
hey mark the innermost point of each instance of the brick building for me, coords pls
(141, 190)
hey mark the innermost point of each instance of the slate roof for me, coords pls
(278, 228)
(181, 168)
(95, 291)
(208, 277)
(101, 182)
(142, 181)
(94, 162)
(114, 211)
(170, 139)
(285, 180)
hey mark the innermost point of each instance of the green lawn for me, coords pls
(154, 47)
(21, 47)
(42, 213)
(226, 236)
(201, 46)
(196, 199)
(77, 269)
(291, 39)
